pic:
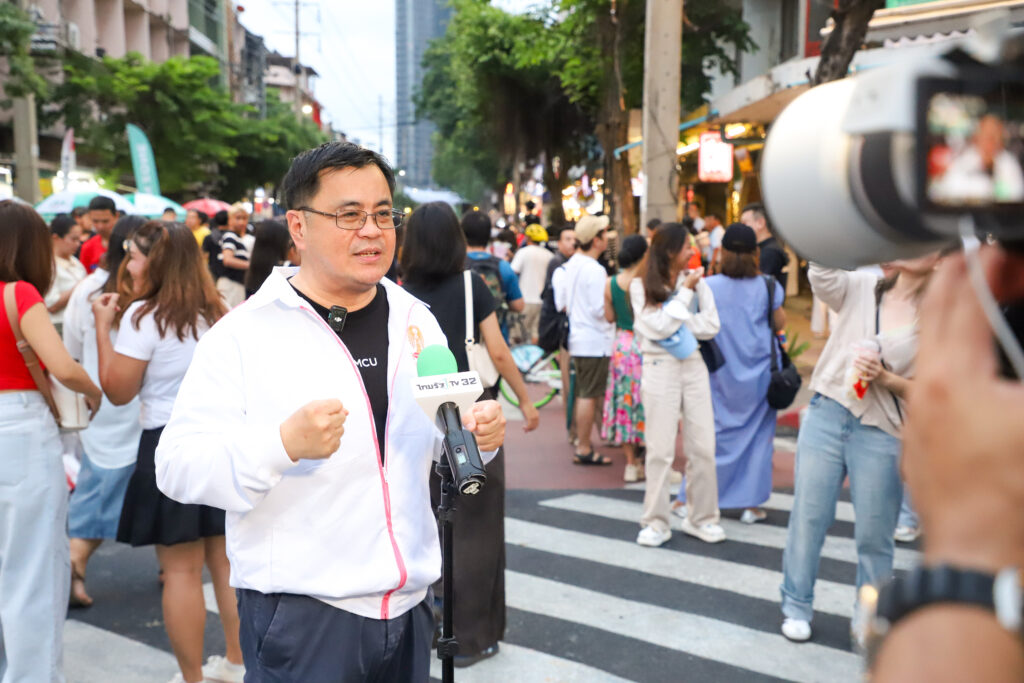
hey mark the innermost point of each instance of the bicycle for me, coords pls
(540, 371)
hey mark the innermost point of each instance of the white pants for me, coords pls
(35, 565)
(670, 387)
(233, 292)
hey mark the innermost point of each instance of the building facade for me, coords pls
(417, 22)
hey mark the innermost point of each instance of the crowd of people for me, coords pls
(680, 326)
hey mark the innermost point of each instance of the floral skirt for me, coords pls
(623, 417)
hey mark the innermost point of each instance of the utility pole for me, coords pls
(298, 66)
(26, 143)
(663, 45)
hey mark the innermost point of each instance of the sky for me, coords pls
(351, 44)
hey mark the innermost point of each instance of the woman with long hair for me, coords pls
(111, 441)
(176, 304)
(35, 571)
(669, 299)
(433, 260)
(744, 423)
(851, 429)
(273, 247)
(623, 418)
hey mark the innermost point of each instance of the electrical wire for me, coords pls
(976, 273)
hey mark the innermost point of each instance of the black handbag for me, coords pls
(785, 380)
(712, 355)
(553, 327)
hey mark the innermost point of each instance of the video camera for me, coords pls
(888, 163)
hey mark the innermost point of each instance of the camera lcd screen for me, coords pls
(974, 146)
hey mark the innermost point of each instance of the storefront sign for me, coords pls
(714, 161)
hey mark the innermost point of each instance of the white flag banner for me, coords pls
(67, 155)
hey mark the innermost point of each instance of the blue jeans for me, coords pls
(35, 567)
(833, 444)
(908, 516)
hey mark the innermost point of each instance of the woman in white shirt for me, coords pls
(667, 299)
(66, 238)
(111, 441)
(177, 303)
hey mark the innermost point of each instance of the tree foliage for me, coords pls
(503, 87)
(202, 141)
(22, 78)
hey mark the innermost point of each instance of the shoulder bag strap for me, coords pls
(878, 314)
(467, 278)
(769, 282)
(27, 354)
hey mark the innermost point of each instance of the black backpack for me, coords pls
(490, 270)
(553, 326)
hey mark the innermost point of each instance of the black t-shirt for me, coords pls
(773, 259)
(447, 301)
(366, 335)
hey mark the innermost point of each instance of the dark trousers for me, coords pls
(290, 638)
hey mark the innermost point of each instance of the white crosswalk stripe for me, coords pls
(586, 604)
(842, 549)
(765, 653)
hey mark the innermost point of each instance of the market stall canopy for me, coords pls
(64, 202)
(153, 205)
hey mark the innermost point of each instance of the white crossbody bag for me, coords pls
(479, 359)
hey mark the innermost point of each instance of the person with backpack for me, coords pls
(497, 273)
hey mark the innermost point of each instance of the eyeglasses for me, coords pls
(354, 219)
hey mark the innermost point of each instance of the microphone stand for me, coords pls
(447, 647)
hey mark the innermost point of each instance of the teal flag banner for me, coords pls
(143, 162)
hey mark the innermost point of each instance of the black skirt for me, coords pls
(151, 518)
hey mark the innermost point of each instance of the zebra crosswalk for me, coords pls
(586, 603)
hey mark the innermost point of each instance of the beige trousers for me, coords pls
(669, 387)
(233, 292)
(531, 318)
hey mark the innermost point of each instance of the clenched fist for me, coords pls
(314, 431)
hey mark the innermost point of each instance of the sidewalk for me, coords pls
(543, 459)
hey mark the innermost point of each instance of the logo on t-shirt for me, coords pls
(366, 362)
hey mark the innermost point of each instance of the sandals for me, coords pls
(590, 458)
(78, 598)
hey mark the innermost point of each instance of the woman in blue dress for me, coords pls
(744, 424)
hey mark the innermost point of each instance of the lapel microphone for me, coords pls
(336, 318)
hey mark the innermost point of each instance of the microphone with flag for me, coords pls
(443, 393)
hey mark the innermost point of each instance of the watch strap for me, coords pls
(925, 586)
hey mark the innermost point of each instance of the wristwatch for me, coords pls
(879, 609)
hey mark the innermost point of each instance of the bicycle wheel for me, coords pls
(540, 372)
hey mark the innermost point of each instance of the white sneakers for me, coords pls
(651, 537)
(633, 473)
(796, 630)
(753, 516)
(709, 533)
(907, 534)
(219, 670)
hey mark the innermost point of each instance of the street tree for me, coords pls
(851, 18)
(190, 123)
(22, 77)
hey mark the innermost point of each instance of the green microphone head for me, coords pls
(436, 360)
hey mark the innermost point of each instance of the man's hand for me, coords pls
(962, 443)
(314, 431)
(487, 423)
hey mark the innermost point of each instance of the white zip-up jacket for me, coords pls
(346, 530)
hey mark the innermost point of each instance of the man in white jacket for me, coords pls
(297, 417)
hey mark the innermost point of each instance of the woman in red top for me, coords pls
(35, 572)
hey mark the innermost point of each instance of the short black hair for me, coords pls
(476, 226)
(433, 245)
(101, 203)
(78, 212)
(220, 219)
(302, 181)
(171, 209)
(62, 224)
(653, 223)
(631, 250)
(757, 208)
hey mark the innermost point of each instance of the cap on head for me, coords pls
(739, 238)
(588, 227)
